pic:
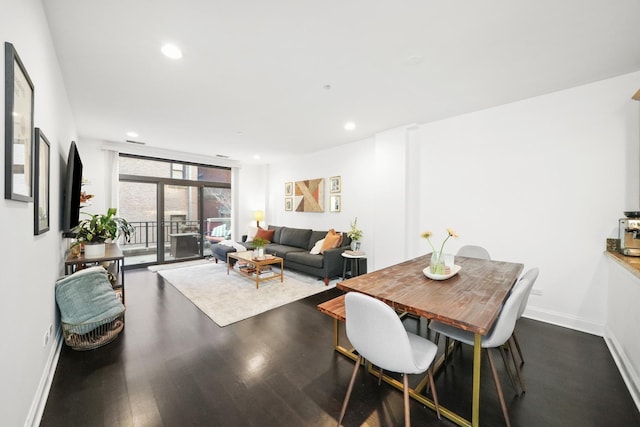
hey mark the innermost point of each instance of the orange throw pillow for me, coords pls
(265, 234)
(332, 240)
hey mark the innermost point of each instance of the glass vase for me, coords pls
(437, 263)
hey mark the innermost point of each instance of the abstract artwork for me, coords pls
(309, 195)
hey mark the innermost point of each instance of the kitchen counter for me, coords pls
(631, 263)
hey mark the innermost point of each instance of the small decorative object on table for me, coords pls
(259, 243)
(437, 265)
(355, 234)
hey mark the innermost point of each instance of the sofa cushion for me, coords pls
(332, 240)
(297, 237)
(315, 236)
(277, 233)
(317, 247)
(306, 258)
(265, 234)
(281, 250)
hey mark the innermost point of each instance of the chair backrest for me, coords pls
(506, 322)
(376, 332)
(472, 251)
(531, 275)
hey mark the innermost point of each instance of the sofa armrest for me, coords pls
(333, 260)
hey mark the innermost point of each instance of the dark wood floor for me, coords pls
(173, 366)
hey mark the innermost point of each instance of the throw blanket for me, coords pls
(236, 245)
(86, 296)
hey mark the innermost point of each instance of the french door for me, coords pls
(177, 213)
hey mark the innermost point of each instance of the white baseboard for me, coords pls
(629, 374)
(40, 399)
(560, 319)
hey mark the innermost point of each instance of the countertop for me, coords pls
(631, 263)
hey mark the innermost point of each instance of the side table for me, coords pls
(357, 263)
(113, 256)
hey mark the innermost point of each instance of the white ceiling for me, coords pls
(253, 76)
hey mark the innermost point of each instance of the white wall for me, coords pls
(31, 264)
(355, 164)
(623, 317)
(542, 182)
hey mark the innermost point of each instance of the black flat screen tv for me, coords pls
(72, 190)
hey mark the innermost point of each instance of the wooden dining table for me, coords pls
(470, 300)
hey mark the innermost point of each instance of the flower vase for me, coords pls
(260, 253)
(437, 263)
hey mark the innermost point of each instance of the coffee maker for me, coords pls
(630, 233)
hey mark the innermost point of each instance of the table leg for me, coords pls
(475, 406)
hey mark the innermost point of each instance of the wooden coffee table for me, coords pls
(255, 268)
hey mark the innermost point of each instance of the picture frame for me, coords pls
(288, 188)
(18, 125)
(335, 184)
(41, 183)
(335, 203)
(288, 204)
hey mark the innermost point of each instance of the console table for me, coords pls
(113, 259)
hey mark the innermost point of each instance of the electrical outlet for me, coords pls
(536, 291)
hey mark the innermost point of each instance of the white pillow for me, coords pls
(251, 232)
(317, 247)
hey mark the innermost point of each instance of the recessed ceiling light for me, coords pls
(171, 51)
(414, 60)
(132, 134)
(256, 156)
(349, 126)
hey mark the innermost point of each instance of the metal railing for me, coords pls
(146, 232)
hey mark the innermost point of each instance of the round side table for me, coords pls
(357, 264)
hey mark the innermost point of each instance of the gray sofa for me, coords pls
(293, 246)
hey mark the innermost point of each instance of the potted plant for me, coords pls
(259, 243)
(355, 234)
(93, 232)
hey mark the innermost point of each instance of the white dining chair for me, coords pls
(532, 276)
(500, 334)
(377, 335)
(473, 251)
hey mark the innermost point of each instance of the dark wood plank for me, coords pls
(173, 366)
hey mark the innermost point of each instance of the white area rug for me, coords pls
(174, 265)
(227, 299)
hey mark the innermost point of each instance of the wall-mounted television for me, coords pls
(72, 190)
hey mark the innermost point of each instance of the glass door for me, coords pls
(216, 206)
(181, 219)
(138, 204)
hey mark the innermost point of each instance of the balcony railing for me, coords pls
(146, 232)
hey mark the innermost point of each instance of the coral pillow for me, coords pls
(265, 234)
(332, 240)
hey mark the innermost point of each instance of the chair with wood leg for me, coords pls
(378, 336)
(500, 334)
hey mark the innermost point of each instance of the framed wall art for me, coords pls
(335, 184)
(334, 203)
(309, 195)
(18, 128)
(41, 183)
(288, 188)
(288, 204)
